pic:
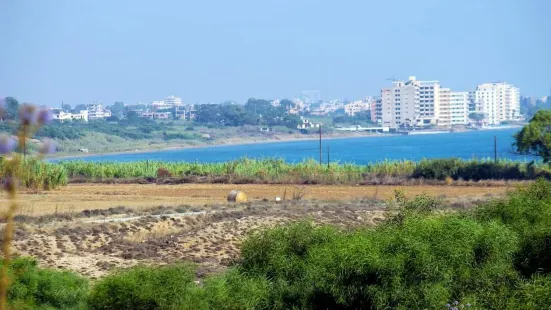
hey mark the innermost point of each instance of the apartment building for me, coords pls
(459, 108)
(157, 115)
(62, 116)
(498, 101)
(444, 110)
(410, 103)
(355, 107)
(376, 110)
(97, 111)
(173, 101)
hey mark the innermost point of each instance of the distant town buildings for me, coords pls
(306, 124)
(355, 107)
(415, 103)
(156, 115)
(326, 108)
(403, 104)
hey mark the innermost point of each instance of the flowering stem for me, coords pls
(6, 243)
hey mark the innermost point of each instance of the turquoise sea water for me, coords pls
(466, 145)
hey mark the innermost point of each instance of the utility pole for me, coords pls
(328, 159)
(321, 160)
(495, 149)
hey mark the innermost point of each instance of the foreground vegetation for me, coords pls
(495, 256)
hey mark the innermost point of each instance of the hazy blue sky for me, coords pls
(81, 51)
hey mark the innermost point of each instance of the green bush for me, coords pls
(533, 294)
(534, 254)
(234, 290)
(420, 263)
(165, 287)
(36, 288)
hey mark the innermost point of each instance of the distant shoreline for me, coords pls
(276, 139)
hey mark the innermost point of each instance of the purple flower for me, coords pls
(456, 302)
(448, 306)
(27, 114)
(7, 144)
(44, 116)
(48, 147)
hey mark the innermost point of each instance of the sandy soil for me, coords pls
(79, 197)
(91, 247)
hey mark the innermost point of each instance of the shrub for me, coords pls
(418, 264)
(279, 254)
(166, 287)
(163, 173)
(533, 294)
(233, 290)
(33, 287)
(534, 254)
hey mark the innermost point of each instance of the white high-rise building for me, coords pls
(444, 115)
(411, 103)
(459, 108)
(498, 101)
(454, 108)
(97, 111)
(173, 101)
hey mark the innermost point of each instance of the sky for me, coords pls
(81, 51)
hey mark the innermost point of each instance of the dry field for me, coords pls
(79, 197)
(93, 243)
(98, 227)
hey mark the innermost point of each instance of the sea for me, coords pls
(360, 150)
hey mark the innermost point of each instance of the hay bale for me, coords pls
(237, 197)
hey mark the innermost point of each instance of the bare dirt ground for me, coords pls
(94, 229)
(79, 197)
(93, 243)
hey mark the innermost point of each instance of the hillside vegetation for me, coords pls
(423, 256)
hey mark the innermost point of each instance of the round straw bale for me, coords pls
(237, 197)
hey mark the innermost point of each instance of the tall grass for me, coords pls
(39, 175)
(310, 171)
(35, 174)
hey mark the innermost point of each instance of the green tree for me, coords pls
(12, 108)
(476, 116)
(79, 107)
(66, 107)
(535, 138)
(117, 109)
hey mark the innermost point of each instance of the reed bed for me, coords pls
(35, 174)
(40, 175)
(309, 171)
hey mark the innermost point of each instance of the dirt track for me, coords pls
(78, 197)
